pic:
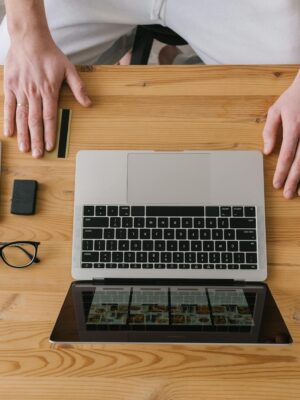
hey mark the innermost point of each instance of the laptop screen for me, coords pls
(172, 313)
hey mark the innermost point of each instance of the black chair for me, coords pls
(145, 34)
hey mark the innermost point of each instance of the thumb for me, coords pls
(271, 129)
(77, 86)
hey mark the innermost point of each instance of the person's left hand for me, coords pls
(285, 113)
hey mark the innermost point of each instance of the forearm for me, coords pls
(26, 18)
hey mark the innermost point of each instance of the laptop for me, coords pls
(169, 247)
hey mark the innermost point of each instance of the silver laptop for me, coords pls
(186, 215)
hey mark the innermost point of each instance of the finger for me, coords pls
(286, 155)
(35, 123)
(50, 120)
(77, 86)
(22, 123)
(293, 179)
(271, 129)
(9, 113)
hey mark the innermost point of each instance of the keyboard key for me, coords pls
(251, 258)
(101, 211)
(172, 266)
(184, 245)
(202, 257)
(90, 256)
(147, 266)
(162, 222)
(184, 266)
(229, 234)
(225, 211)
(232, 245)
(159, 266)
(117, 257)
(193, 234)
(199, 222)
(135, 266)
(122, 265)
(226, 258)
(187, 223)
(87, 245)
(196, 245)
(249, 211)
(205, 234)
(174, 222)
(211, 223)
(124, 211)
(137, 211)
(220, 246)
(151, 222)
(214, 258)
(95, 222)
(171, 245)
(208, 245)
(105, 256)
(232, 266)
(248, 246)
(196, 266)
(129, 257)
(121, 234)
(111, 265)
(148, 245)
(223, 223)
(88, 211)
(86, 265)
(112, 210)
(109, 234)
(237, 211)
(99, 265)
(178, 257)
(153, 257)
(169, 234)
(115, 222)
(127, 222)
(145, 234)
(141, 257)
(221, 266)
(111, 245)
(217, 234)
(139, 222)
(208, 266)
(242, 223)
(133, 233)
(157, 234)
(165, 257)
(174, 211)
(239, 258)
(190, 257)
(92, 233)
(212, 211)
(180, 234)
(248, 266)
(99, 245)
(124, 245)
(245, 234)
(135, 245)
(160, 245)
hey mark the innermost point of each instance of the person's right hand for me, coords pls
(33, 74)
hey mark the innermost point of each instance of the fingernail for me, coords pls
(22, 147)
(277, 185)
(49, 146)
(267, 148)
(6, 133)
(289, 194)
(37, 152)
(87, 100)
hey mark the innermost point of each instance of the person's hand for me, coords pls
(33, 74)
(285, 114)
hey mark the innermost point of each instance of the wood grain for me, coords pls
(195, 107)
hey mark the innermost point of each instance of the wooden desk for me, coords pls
(144, 108)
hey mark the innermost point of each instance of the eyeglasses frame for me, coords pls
(33, 257)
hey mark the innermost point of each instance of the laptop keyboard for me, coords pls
(169, 237)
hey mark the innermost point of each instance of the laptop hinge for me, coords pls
(163, 281)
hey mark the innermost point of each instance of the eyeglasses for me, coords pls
(19, 254)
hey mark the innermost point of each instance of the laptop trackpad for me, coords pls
(172, 178)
